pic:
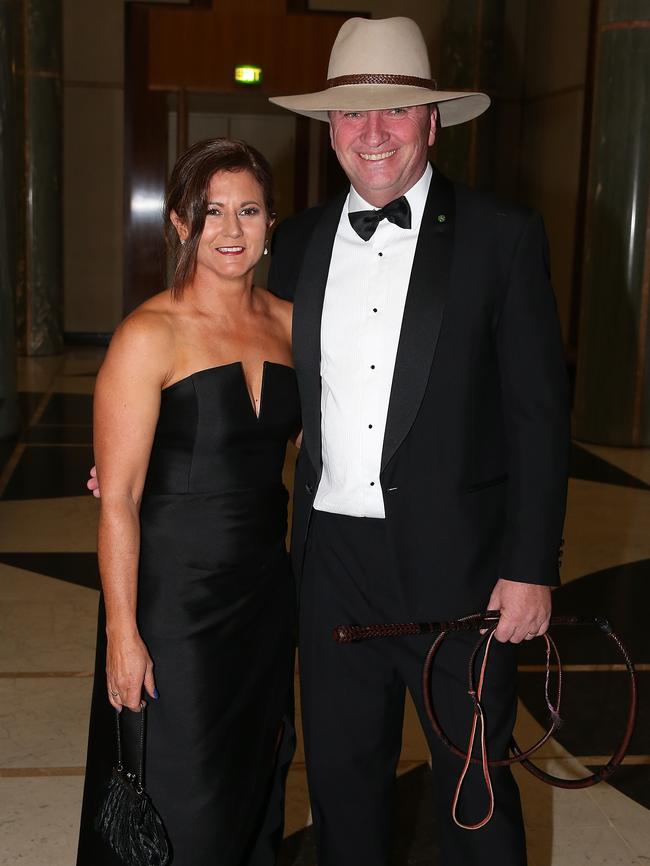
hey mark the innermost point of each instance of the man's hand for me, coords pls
(93, 484)
(525, 610)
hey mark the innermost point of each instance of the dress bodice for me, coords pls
(209, 438)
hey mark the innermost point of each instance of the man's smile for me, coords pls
(376, 156)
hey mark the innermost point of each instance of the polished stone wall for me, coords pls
(8, 207)
(613, 385)
(39, 295)
(555, 68)
(472, 58)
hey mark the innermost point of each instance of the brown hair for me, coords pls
(187, 194)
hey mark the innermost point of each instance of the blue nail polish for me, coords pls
(155, 694)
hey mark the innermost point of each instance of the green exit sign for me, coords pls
(248, 74)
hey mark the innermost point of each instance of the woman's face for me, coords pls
(235, 228)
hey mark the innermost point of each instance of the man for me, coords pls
(432, 475)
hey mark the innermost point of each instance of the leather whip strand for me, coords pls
(488, 621)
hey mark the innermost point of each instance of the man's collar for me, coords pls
(416, 197)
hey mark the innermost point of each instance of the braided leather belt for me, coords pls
(488, 621)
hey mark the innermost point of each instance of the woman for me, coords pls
(194, 405)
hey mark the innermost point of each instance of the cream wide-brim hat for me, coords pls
(380, 64)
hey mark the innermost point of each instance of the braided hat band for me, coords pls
(373, 78)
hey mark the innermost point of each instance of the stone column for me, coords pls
(39, 289)
(8, 208)
(612, 403)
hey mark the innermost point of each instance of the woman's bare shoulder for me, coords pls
(145, 338)
(149, 324)
(278, 308)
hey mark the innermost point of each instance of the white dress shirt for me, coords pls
(360, 328)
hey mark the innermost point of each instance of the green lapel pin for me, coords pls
(441, 217)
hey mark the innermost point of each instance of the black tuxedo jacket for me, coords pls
(474, 462)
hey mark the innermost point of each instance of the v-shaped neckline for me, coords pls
(240, 364)
(251, 396)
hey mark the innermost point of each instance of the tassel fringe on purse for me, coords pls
(127, 819)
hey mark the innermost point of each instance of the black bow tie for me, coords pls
(365, 222)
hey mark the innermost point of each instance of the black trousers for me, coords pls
(353, 707)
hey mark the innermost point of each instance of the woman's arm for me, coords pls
(126, 408)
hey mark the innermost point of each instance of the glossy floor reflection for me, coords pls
(48, 603)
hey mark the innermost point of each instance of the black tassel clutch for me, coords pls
(127, 819)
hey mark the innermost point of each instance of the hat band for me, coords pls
(370, 78)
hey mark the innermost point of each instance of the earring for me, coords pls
(182, 243)
(266, 247)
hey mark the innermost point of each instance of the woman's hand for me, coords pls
(93, 484)
(129, 668)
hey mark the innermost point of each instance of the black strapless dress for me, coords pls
(216, 609)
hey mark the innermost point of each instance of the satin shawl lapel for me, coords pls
(307, 312)
(423, 312)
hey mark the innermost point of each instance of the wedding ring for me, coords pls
(115, 694)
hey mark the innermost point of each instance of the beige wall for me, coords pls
(93, 145)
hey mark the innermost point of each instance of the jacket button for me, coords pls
(309, 489)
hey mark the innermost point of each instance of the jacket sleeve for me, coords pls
(281, 279)
(535, 405)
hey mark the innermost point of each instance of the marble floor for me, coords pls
(48, 601)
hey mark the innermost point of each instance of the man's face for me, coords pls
(383, 153)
